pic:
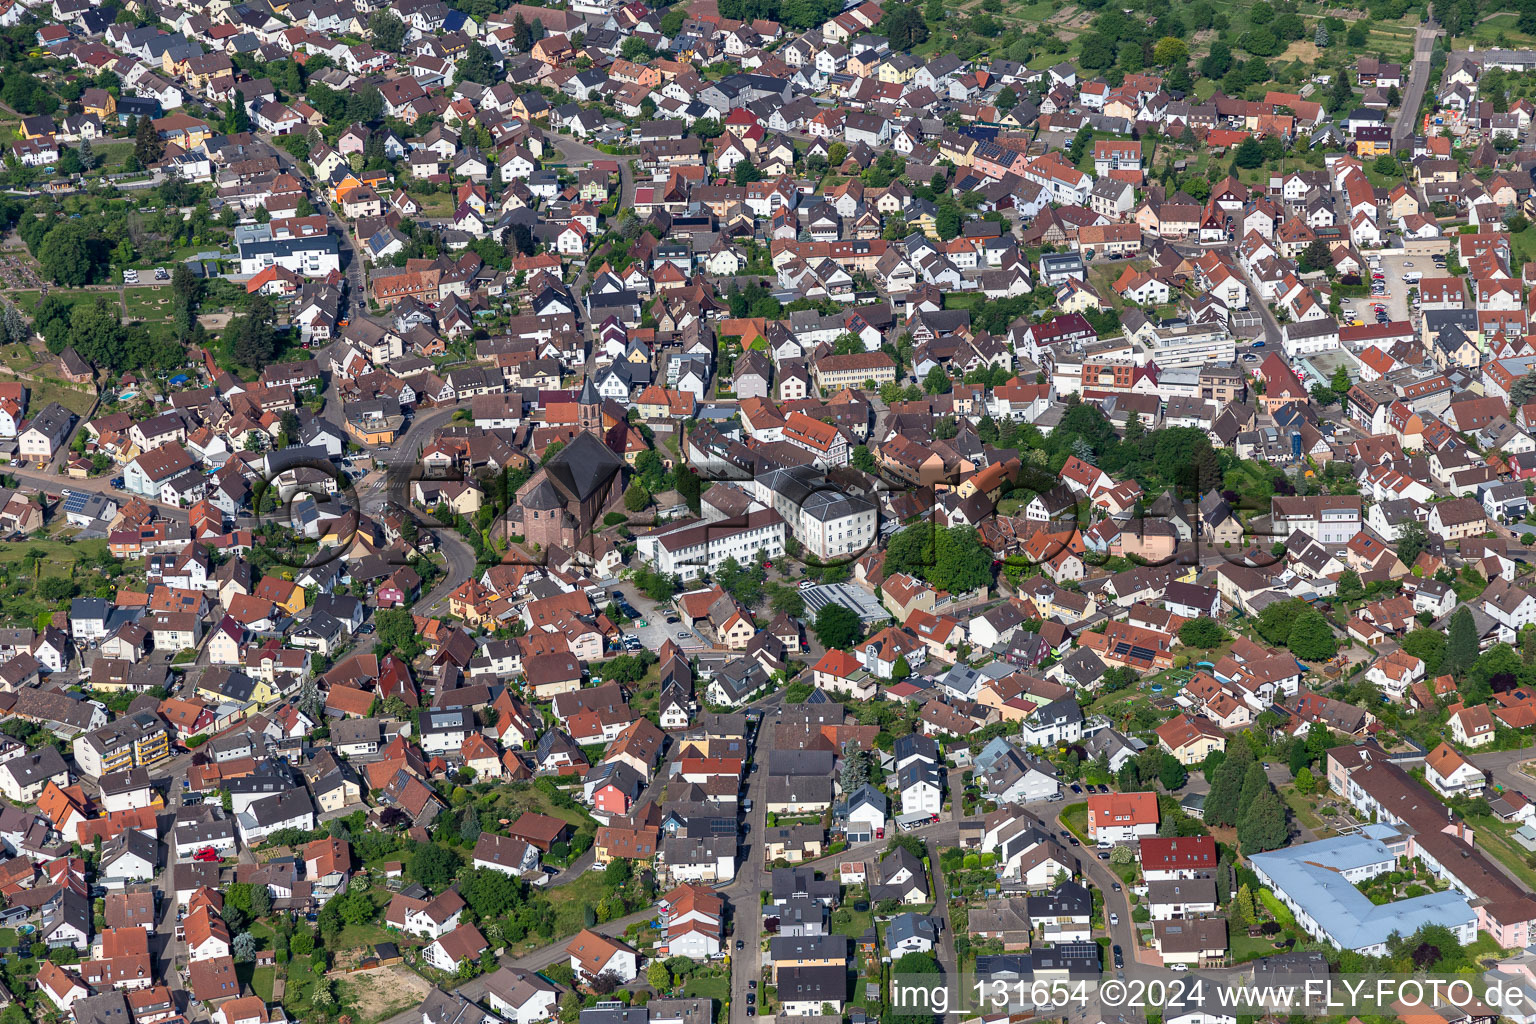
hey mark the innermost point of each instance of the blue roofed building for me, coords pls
(1317, 881)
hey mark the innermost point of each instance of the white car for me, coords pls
(1114, 919)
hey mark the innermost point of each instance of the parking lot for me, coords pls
(656, 629)
(1394, 264)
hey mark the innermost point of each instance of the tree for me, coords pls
(1223, 802)
(1275, 621)
(1305, 782)
(251, 340)
(1247, 912)
(1205, 633)
(397, 632)
(904, 27)
(1312, 638)
(386, 31)
(237, 119)
(1171, 773)
(71, 255)
(937, 381)
(855, 768)
(951, 559)
(910, 965)
(477, 65)
(636, 497)
(1316, 256)
(1386, 164)
(1461, 645)
(1263, 827)
(1523, 391)
(243, 949)
(1412, 537)
(658, 975)
(746, 173)
(148, 147)
(1218, 62)
(1248, 154)
(1170, 50)
(434, 865)
(837, 626)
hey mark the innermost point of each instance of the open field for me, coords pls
(382, 992)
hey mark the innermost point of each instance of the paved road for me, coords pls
(1418, 82)
(351, 255)
(576, 154)
(1504, 767)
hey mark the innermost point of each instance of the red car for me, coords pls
(206, 854)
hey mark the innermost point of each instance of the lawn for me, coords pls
(148, 303)
(362, 936)
(1523, 246)
(262, 980)
(41, 392)
(1493, 837)
(57, 555)
(1245, 948)
(1301, 806)
(571, 901)
(438, 204)
(850, 922)
(716, 988)
(1075, 818)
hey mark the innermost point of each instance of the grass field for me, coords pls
(152, 303)
(58, 556)
(261, 982)
(1493, 837)
(40, 393)
(571, 901)
(438, 204)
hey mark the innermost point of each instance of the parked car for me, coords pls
(206, 855)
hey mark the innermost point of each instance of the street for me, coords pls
(1418, 81)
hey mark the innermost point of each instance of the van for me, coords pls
(1412, 277)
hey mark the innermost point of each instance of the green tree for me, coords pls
(477, 64)
(148, 147)
(1248, 155)
(903, 25)
(1171, 773)
(1461, 645)
(386, 31)
(237, 118)
(72, 255)
(937, 382)
(435, 865)
(659, 977)
(636, 497)
(1412, 537)
(1312, 638)
(251, 339)
(1305, 782)
(1263, 827)
(1428, 645)
(1316, 256)
(1246, 911)
(1224, 801)
(396, 631)
(837, 626)
(1170, 50)
(1206, 633)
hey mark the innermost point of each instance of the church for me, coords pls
(563, 503)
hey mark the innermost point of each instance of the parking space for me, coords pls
(1393, 265)
(656, 629)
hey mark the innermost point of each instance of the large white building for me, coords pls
(828, 523)
(308, 257)
(1317, 882)
(692, 547)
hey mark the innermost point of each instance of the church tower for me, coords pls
(589, 409)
